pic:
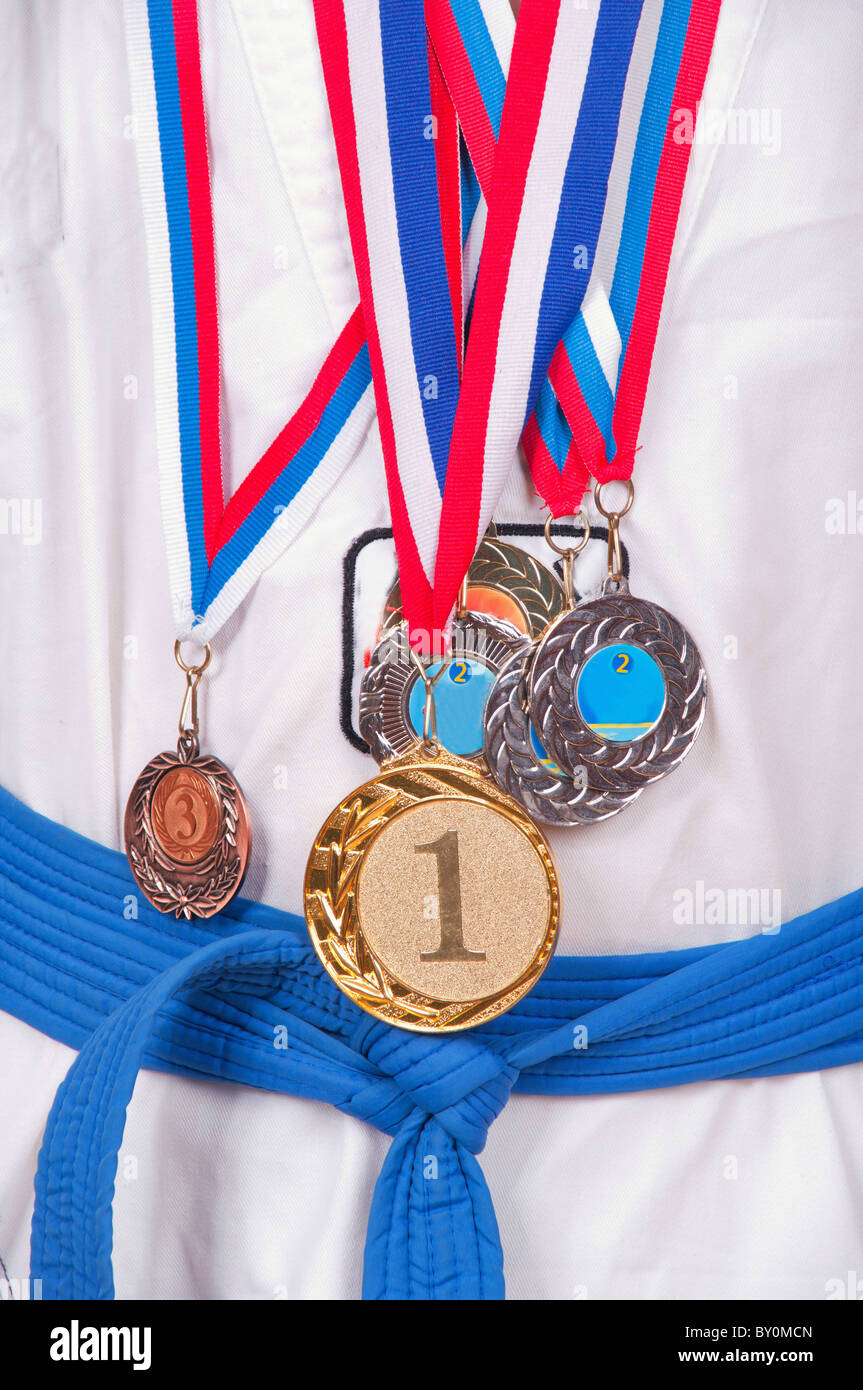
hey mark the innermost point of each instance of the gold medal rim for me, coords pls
(330, 893)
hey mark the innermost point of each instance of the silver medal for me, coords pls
(392, 691)
(584, 712)
(517, 764)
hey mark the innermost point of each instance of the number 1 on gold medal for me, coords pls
(452, 947)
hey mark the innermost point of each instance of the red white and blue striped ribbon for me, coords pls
(473, 41)
(474, 45)
(448, 454)
(217, 550)
(557, 137)
(589, 409)
(587, 414)
(376, 68)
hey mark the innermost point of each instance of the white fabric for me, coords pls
(748, 471)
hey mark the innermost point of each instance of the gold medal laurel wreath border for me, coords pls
(330, 887)
(198, 889)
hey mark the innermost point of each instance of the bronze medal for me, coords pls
(187, 829)
(406, 904)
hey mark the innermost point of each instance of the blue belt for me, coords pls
(208, 999)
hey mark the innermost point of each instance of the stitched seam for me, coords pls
(633, 1060)
(432, 1267)
(199, 1057)
(212, 1031)
(738, 982)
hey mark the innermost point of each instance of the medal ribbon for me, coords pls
(557, 137)
(445, 464)
(474, 69)
(217, 550)
(594, 396)
(587, 413)
(376, 68)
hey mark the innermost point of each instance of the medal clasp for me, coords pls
(569, 552)
(615, 554)
(187, 744)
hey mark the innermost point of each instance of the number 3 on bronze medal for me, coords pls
(452, 947)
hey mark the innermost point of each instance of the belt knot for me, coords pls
(459, 1080)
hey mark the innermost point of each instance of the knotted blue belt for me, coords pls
(212, 1000)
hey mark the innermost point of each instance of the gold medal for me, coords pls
(187, 829)
(431, 898)
(505, 583)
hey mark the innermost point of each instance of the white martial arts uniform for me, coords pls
(746, 525)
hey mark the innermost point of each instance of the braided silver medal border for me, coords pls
(617, 617)
(516, 767)
(386, 685)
